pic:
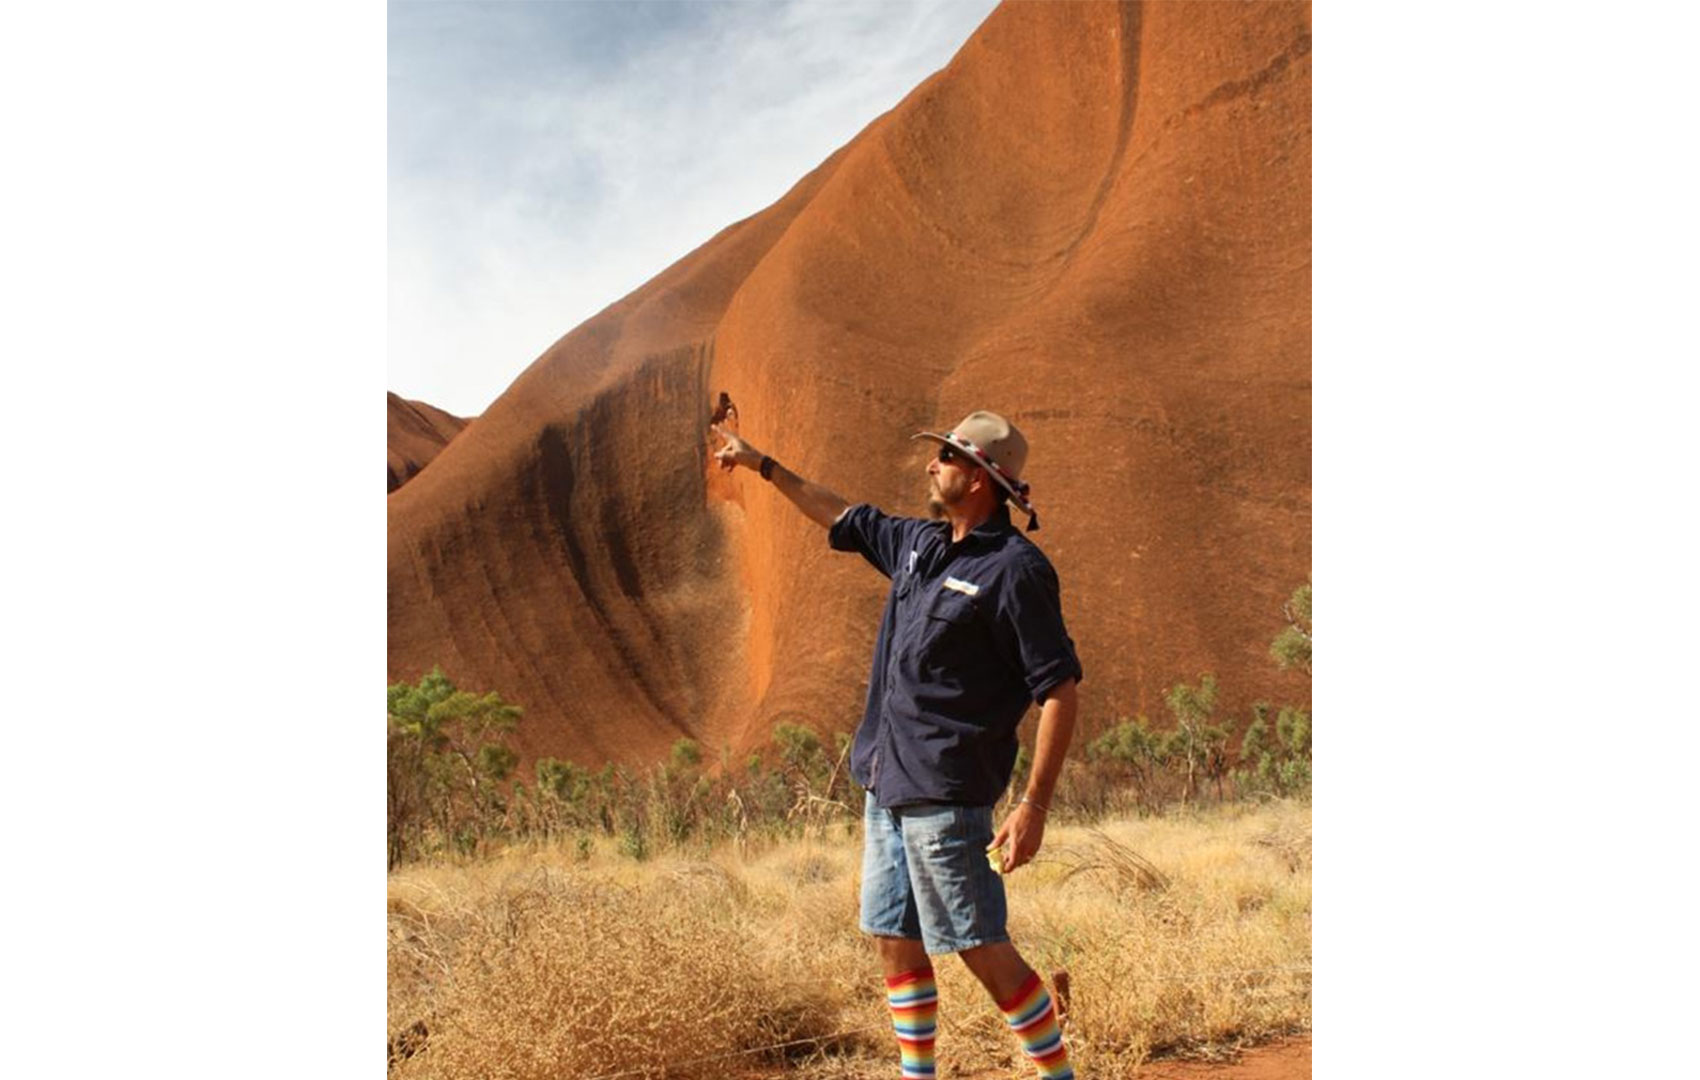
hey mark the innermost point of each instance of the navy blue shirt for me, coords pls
(972, 633)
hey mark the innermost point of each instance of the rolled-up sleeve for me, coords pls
(1030, 631)
(878, 537)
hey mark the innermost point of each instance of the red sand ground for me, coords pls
(1287, 1059)
(1096, 220)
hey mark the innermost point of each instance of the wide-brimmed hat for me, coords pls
(995, 445)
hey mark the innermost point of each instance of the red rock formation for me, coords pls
(1095, 220)
(417, 432)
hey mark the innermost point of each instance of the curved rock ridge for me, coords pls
(1095, 220)
(417, 432)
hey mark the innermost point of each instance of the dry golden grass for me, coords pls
(1186, 933)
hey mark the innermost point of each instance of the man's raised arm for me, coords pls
(817, 503)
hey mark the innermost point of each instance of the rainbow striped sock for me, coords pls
(1034, 1020)
(914, 1001)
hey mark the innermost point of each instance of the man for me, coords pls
(972, 632)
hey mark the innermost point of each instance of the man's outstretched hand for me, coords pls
(817, 503)
(736, 451)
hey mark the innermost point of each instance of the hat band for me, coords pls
(1017, 490)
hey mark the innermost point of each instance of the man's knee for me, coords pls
(900, 954)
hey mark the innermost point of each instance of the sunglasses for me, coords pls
(948, 454)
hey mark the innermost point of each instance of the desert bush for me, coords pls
(564, 974)
(1197, 742)
(1182, 933)
(447, 761)
(1291, 647)
(680, 804)
(686, 754)
(1129, 766)
(1185, 933)
(1277, 761)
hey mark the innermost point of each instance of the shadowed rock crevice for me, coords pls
(622, 486)
(1128, 36)
(1234, 88)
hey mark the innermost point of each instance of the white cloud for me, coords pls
(546, 159)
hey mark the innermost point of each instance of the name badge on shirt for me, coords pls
(966, 588)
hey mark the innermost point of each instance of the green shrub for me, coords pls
(1127, 762)
(1278, 761)
(1196, 742)
(686, 754)
(447, 757)
(1291, 647)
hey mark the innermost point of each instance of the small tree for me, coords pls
(1291, 647)
(799, 750)
(563, 780)
(1278, 760)
(447, 758)
(792, 780)
(808, 769)
(678, 790)
(1140, 754)
(1196, 740)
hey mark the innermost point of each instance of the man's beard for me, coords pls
(935, 507)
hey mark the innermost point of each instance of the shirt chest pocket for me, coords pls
(950, 629)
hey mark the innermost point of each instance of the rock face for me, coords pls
(417, 432)
(1095, 220)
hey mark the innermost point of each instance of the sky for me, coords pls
(545, 159)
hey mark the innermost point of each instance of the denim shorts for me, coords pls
(925, 876)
